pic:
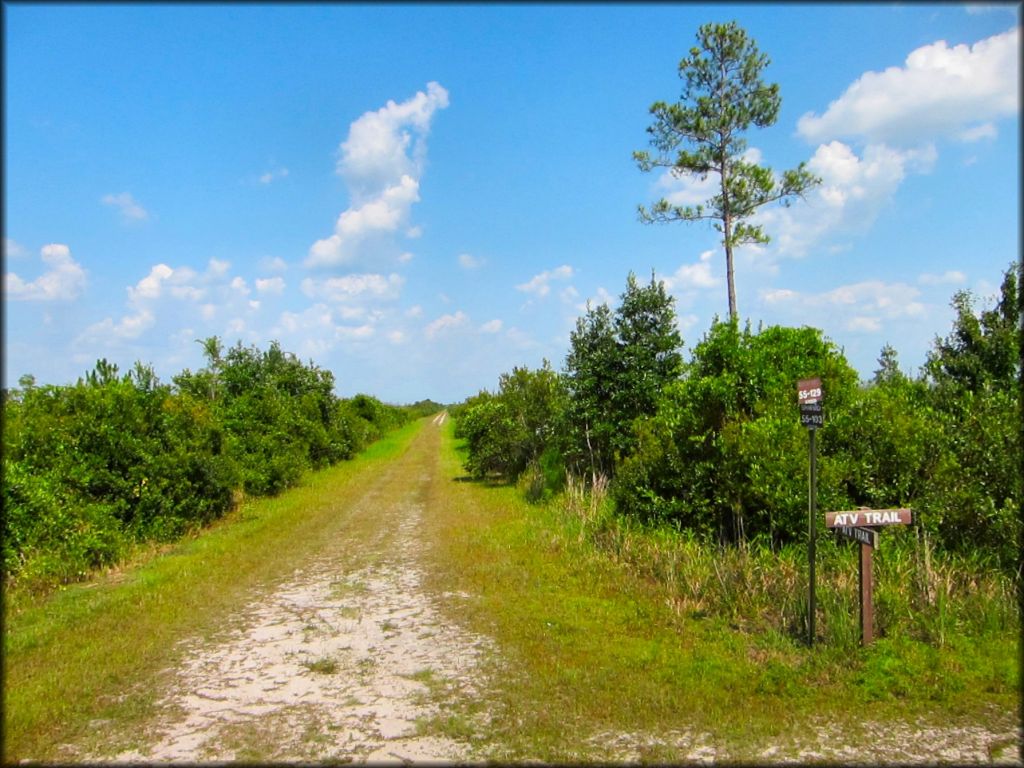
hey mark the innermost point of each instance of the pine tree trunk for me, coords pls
(724, 174)
(727, 228)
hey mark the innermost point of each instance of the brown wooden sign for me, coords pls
(870, 517)
(854, 524)
(867, 536)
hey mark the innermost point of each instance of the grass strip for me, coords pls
(591, 650)
(91, 653)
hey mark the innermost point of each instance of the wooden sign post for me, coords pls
(852, 525)
(809, 395)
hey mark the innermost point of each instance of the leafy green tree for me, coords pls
(888, 370)
(618, 364)
(983, 349)
(649, 344)
(702, 133)
(592, 372)
(977, 486)
(213, 349)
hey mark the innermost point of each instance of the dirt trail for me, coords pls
(350, 659)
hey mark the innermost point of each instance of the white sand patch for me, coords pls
(874, 743)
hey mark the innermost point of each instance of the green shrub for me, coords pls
(111, 460)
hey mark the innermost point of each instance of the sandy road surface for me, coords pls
(346, 661)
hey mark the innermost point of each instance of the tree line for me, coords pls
(712, 444)
(117, 458)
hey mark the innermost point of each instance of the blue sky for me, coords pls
(419, 198)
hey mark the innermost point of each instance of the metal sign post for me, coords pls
(809, 396)
(812, 536)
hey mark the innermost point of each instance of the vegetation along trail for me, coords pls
(388, 610)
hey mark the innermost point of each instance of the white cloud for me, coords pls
(539, 284)
(317, 316)
(318, 329)
(385, 214)
(273, 265)
(354, 333)
(940, 91)
(63, 280)
(693, 276)
(270, 176)
(520, 340)
(390, 143)
(864, 324)
(975, 9)
(182, 284)
(491, 326)
(150, 287)
(127, 205)
(405, 258)
(381, 161)
(130, 326)
(445, 323)
(977, 133)
(414, 311)
(468, 261)
(866, 304)
(273, 285)
(381, 214)
(13, 249)
(686, 322)
(854, 190)
(601, 296)
(687, 189)
(218, 268)
(949, 277)
(355, 287)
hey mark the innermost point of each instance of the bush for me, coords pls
(510, 431)
(724, 455)
(111, 460)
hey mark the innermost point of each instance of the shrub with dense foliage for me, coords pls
(90, 468)
(724, 452)
(713, 446)
(510, 430)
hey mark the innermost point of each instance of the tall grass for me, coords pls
(919, 593)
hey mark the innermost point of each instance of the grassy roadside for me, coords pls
(591, 649)
(87, 655)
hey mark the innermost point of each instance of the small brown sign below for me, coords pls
(870, 517)
(867, 536)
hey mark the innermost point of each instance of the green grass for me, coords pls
(323, 666)
(95, 651)
(591, 643)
